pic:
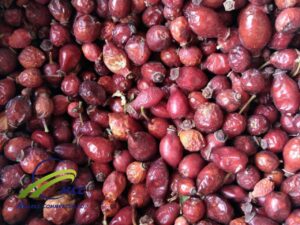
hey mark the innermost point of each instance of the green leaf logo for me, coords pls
(58, 176)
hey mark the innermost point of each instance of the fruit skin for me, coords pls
(157, 182)
(177, 104)
(114, 185)
(142, 146)
(210, 179)
(277, 206)
(291, 153)
(98, 149)
(229, 159)
(219, 209)
(170, 149)
(204, 21)
(285, 93)
(12, 214)
(288, 20)
(254, 28)
(58, 215)
(208, 117)
(166, 214)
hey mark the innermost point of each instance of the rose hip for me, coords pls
(177, 104)
(13, 214)
(191, 78)
(158, 38)
(257, 125)
(274, 140)
(88, 211)
(166, 214)
(285, 93)
(219, 209)
(56, 215)
(193, 209)
(86, 28)
(86, 6)
(234, 192)
(170, 148)
(142, 146)
(217, 63)
(210, 179)
(137, 50)
(157, 182)
(248, 177)
(153, 15)
(205, 22)
(290, 152)
(277, 206)
(254, 28)
(208, 117)
(229, 159)
(288, 20)
(69, 57)
(97, 148)
(60, 10)
(147, 98)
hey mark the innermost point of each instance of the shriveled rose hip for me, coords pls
(210, 179)
(157, 182)
(86, 28)
(285, 93)
(158, 38)
(137, 50)
(288, 20)
(229, 159)
(20, 38)
(142, 146)
(208, 117)
(219, 209)
(56, 215)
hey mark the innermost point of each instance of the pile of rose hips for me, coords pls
(170, 111)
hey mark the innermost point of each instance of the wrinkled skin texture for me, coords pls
(289, 186)
(229, 159)
(210, 179)
(218, 209)
(114, 185)
(288, 21)
(59, 215)
(208, 117)
(157, 182)
(166, 214)
(142, 146)
(120, 124)
(285, 94)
